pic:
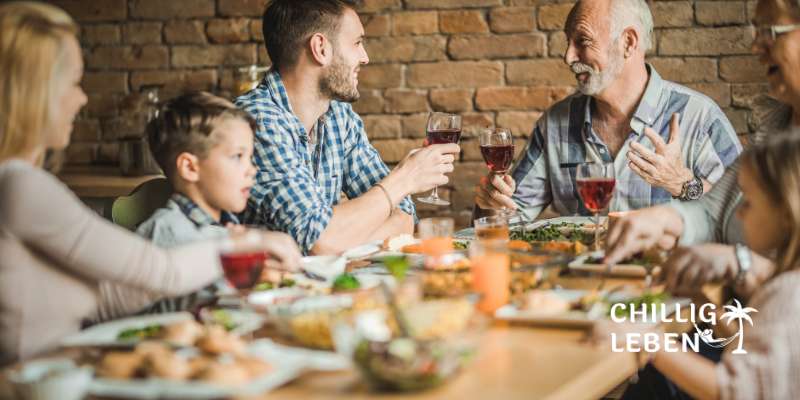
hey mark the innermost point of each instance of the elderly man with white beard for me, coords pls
(667, 142)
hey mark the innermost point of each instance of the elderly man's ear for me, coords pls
(630, 40)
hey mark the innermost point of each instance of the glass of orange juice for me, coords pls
(436, 235)
(492, 228)
(491, 274)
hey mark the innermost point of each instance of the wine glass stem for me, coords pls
(435, 193)
(596, 231)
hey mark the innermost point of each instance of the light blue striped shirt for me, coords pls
(563, 138)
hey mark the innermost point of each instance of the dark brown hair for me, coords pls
(288, 24)
(186, 124)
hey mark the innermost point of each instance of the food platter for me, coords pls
(576, 309)
(108, 334)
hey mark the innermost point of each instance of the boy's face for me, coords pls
(225, 175)
(764, 224)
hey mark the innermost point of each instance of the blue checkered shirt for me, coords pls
(299, 182)
(563, 138)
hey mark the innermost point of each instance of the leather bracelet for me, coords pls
(388, 198)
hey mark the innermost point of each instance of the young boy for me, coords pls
(204, 144)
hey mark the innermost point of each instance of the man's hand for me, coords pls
(425, 168)
(664, 167)
(494, 192)
(689, 268)
(641, 230)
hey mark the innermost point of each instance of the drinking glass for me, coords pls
(243, 269)
(497, 149)
(437, 236)
(596, 183)
(492, 228)
(491, 274)
(442, 128)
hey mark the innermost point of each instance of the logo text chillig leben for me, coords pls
(674, 342)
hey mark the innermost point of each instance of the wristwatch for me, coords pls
(691, 190)
(745, 260)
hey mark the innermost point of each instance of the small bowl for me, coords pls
(48, 379)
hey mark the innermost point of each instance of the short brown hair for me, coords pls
(288, 24)
(186, 124)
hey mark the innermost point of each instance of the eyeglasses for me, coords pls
(768, 33)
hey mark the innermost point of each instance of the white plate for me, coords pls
(363, 251)
(620, 270)
(570, 319)
(328, 267)
(469, 233)
(284, 369)
(106, 334)
(267, 297)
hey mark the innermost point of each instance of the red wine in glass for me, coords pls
(596, 192)
(243, 269)
(442, 136)
(596, 183)
(498, 157)
(442, 128)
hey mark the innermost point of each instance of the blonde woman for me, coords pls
(769, 178)
(55, 251)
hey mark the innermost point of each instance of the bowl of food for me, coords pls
(442, 337)
(448, 275)
(308, 321)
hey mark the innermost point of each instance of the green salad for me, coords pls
(563, 231)
(148, 332)
(345, 282)
(286, 282)
(646, 298)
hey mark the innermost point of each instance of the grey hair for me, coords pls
(633, 13)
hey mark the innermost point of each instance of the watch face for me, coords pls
(694, 190)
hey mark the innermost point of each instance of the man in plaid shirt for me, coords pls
(311, 146)
(667, 142)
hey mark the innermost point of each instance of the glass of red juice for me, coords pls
(243, 268)
(596, 183)
(442, 128)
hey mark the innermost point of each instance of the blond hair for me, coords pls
(32, 55)
(775, 164)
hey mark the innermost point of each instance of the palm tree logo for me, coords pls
(738, 313)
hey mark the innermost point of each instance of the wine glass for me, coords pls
(442, 128)
(596, 183)
(497, 149)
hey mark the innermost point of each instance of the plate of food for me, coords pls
(636, 266)
(213, 363)
(174, 328)
(579, 309)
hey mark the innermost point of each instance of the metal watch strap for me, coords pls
(744, 259)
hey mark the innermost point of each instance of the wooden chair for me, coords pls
(130, 211)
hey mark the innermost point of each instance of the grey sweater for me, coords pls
(54, 251)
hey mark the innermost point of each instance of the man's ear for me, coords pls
(630, 41)
(187, 167)
(321, 49)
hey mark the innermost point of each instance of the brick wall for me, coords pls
(493, 61)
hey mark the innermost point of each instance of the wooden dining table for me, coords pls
(513, 361)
